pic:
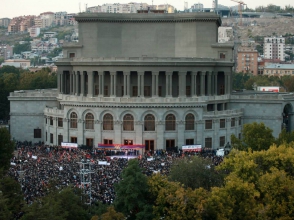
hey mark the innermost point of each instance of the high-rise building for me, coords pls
(274, 48)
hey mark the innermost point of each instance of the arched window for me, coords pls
(170, 123)
(73, 120)
(108, 122)
(128, 124)
(89, 121)
(149, 123)
(189, 122)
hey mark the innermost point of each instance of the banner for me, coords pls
(102, 162)
(150, 159)
(34, 157)
(196, 147)
(69, 145)
(121, 146)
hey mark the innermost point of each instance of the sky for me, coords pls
(14, 8)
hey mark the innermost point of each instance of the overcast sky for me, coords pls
(14, 8)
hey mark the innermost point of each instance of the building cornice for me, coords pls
(148, 17)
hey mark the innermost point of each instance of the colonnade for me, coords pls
(146, 83)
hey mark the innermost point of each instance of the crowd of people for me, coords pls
(35, 166)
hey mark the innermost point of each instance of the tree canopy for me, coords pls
(6, 149)
(132, 193)
(195, 172)
(255, 136)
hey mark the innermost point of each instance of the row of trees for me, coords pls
(12, 79)
(246, 81)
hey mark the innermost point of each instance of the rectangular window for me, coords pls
(107, 141)
(122, 91)
(96, 90)
(51, 120)
(60, 122)
(105, 90)
(189, 141)
(73, 139)
(188, 90)
(60, 139)
(71, 55)
(46, 120)
(89, 142)
(51, 138)
(147, 91)
(208, 142)
(135, 91)
(37, 133)
(160, 91)
(222, 123)
(233, 122)
(208, 124)
(222, 140)
(222, 55)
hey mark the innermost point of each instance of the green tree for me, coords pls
(5, 213)
(132, 193)
(239, 80)
(195, 172)
(255, 136)
(111, 214)
(285, 137)
(9, 69)
(6, 149)
(12, 195)
(64, 204)
(18, 48)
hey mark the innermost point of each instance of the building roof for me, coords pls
(280, 66)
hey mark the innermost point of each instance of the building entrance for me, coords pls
(149, 145)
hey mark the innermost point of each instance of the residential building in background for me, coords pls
(19, 63)
(44, 20)
(225, 34)
(247, 60)
(274, 48)
(34, 31)
(278, 69)
(6, 51)
(21, 24)
(4, 22)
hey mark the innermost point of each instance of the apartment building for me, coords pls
(6, 51)
(247, 60)
(4, 22)
(60, 18)
(34, 31)
(168, 8)
(44, 20)
(21, 24)
(274, 48)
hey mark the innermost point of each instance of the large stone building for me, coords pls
(161, 80)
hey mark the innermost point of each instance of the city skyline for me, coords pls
(15, 8)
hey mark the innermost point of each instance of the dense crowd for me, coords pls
(35, 166)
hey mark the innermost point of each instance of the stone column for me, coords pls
(168, 84)
(138, 126)
(159, 135)
(62, 82)
(182, 84)
(202, 83)
(58, 82)
(181, 137)
(194, 84)
(128, 75)
(209, 83)
(70, 82)
(153, 85)
(199, 133)
(125, 84)
(101, 84)
(73, 83)
(82, 92)
(228, 82)
(117, 132)
(156, 84)
(112, 84)
(140, 84)
(90, 83)
(215, 83)
(77, 83)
